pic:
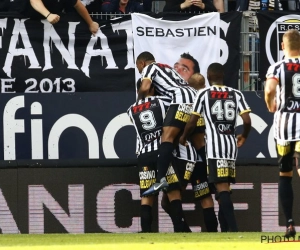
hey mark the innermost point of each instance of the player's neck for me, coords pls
(217, 84)
(292, 54)
(149, 62)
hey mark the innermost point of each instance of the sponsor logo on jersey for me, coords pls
(292, 105)
(225, 128)
(220, 95)
(279, 27)
(171, 176)
(141, 107)
(200, 186)
(293, 66)
(225, 168)
(150, 136)
(201, 189)
(186, 108)
(147, 175)
(145, 184)
(225, 164)
(181, 116)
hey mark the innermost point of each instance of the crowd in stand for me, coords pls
(35, 8)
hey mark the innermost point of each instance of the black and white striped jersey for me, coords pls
(167, 82)
(147, 117)
(187, 153)
(287, 116)
(220, 106)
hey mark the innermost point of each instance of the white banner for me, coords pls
(167, 40)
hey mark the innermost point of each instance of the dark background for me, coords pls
(14, 184)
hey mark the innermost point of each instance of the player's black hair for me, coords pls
(145, 56)
(216, 69)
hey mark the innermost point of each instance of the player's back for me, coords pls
(220, 106)
(287, 115)
(147, 116)
(167, 82)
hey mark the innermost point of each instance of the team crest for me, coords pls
(278, 28)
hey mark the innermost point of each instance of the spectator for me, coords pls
(241, 5)
(51, 9)
(18, 6)
(256, 5)
(93, 6)
(294, 5)
(219, 4)
(189, 6)
(290, 4)
(122, 6)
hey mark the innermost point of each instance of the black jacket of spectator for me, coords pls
(174, 6)
(4, 5)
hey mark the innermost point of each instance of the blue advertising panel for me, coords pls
(91, 126)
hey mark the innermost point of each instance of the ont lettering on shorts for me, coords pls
(171, 176)
(225, 168)
(201, 189)
(147, 178)
(184, 112)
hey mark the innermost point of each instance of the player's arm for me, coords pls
(270, 91)
(189, 128)
(144, 89)
(247, 127)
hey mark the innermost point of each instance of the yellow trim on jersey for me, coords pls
(245, 111)
(195, 113)
(147, 78)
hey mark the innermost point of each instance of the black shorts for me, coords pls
(286, 154)
(147, 166)
(200, 127)
(179, 173)
(221, 170)
(200, 130)
(178, 115)
(199, 181)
